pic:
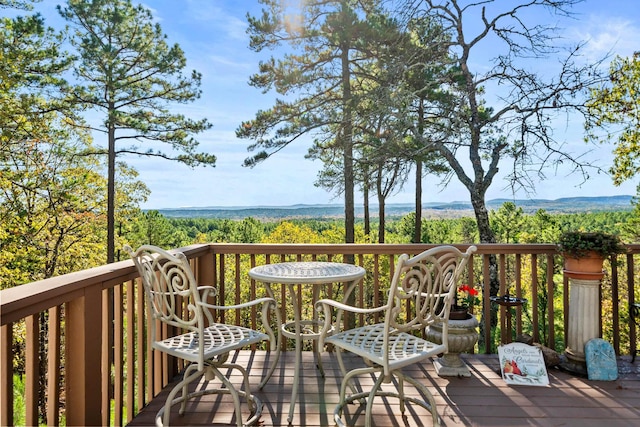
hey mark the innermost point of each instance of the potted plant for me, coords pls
(584, 252)
(466, 297)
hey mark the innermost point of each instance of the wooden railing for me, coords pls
(87, 330)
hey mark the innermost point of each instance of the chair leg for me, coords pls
(191, 374)
(400, 379)
(374, 390)
(245, 379)
(343, 400)
(233, 392)
(343, 370)
(185, 387)
(431, 401)
(255, 404)
(429, 404)
(165, 412)
(318, 357)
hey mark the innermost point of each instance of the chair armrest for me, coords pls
(328, 305)
(267, 301)
(206, 292)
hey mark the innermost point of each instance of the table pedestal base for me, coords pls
(296, 275)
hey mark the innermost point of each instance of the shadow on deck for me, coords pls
(482, 400)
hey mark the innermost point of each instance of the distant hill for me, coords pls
(565, 204)
(433, 209)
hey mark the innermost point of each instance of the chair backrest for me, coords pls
(170, 288)
(428, 282)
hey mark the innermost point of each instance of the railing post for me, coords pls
(83, 348)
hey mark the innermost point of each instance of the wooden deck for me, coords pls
(482, 400)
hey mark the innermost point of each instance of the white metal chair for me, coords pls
(175, 299)
(427, 284)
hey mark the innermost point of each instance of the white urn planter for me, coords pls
(463, 336)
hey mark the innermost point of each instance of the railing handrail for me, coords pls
(381, 248)
(31, 298)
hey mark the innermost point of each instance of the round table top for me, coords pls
(307, 272)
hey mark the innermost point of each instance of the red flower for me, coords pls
(468, 296)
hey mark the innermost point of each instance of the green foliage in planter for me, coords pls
(577, 244)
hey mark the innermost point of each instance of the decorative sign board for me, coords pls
(522, 364)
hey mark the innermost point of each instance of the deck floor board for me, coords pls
(481, 400)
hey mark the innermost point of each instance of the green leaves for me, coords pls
(616, 108)
(133, 76)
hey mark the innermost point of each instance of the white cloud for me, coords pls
(216, 16)
(606, 35)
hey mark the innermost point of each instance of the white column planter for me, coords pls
(583, 319)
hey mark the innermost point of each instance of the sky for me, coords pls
(212, 34)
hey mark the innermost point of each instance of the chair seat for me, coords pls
(219, 339)
(367, 341)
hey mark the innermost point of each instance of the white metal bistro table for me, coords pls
(314, 273)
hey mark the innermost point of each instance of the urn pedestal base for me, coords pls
(463, 336)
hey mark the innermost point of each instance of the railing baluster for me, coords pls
(550, 307)
(565, 306)
(615, 299)
(221, 288)
(504, 333)
(535, 317)
(253, 293)
(32, 372)
(518, 282)
(361, 289)
(486, 279)
(632, 299)
(238, 296)
(471, 277)
(53, 368)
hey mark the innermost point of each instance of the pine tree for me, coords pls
(327, 42)
(132, 75)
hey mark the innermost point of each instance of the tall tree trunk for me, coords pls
(347, 139)
(381, 208)
(111, 194)
(482, 218)
(417, 230)
(111, 197)
(367, 217)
